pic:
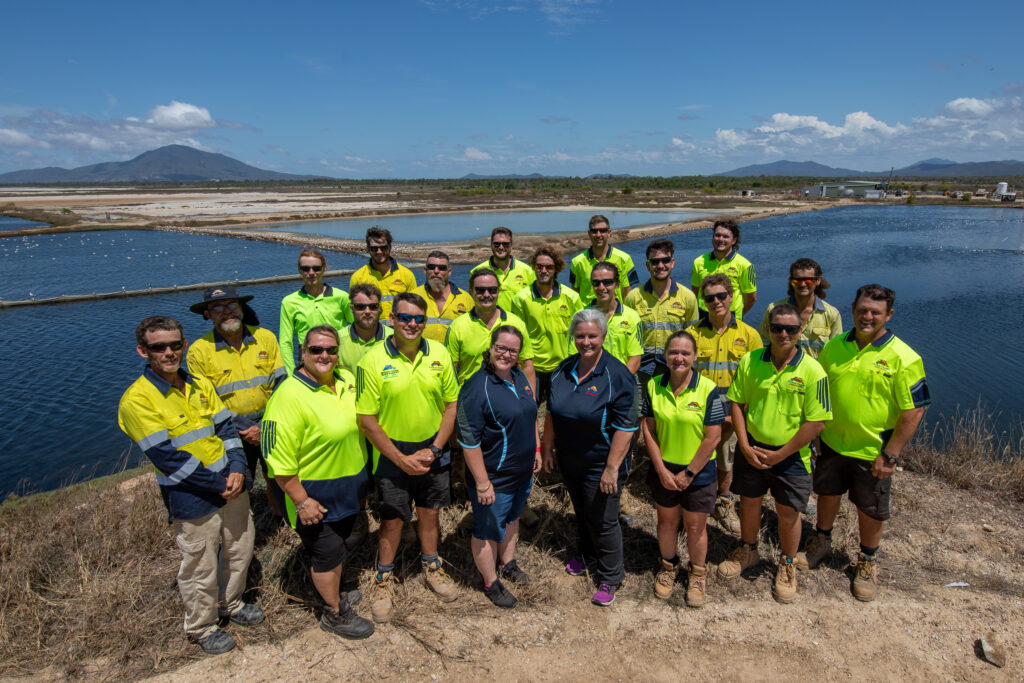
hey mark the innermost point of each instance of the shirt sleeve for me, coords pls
(763, 328)
(737, 390)
(692, 316)
(224, 428)
(572, 275)
(410, 280)
(645, 394)
(449, 383)
(281, 436)
(624, 408)
(817, 403)
(469, 416)
(695, 277)
(285, 333)
(367, 388)
(911, 386)
(714, 410)
(753, 340)
(635, 344)
(628, 277)
(345, 310)
(748, 280)
(836, 324)
(453, 343)
(525, 353)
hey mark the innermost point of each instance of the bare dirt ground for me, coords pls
(917, 629)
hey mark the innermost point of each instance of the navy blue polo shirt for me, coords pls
(586, 414)
(499, 418)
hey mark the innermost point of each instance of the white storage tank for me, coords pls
(1002, 188)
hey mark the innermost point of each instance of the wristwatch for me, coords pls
(891, 459)
(689, 473)
(436, 451)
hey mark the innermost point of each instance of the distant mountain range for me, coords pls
(929, 168)
(173, 163)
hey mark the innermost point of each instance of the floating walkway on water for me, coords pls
(123, 294)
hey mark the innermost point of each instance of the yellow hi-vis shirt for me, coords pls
(311, 432)
(518, 276)
(547, 323)
(825, 322)
(352, 348)
(244, 379)
(718, 355)
(408, 397)
(468, 338)
(737, 267)
(459, 302)
(396, 280)
(659, 319)
(187, 435)
(870, 388)
(780, 401)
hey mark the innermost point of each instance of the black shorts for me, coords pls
(791, 490)
(325, 542)
(542, 391)
(692, 499)
(835, 474)
(395, 495)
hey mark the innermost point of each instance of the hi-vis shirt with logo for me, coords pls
(739, 270)
(659, 319)
(623, 338)
(518, 276)
(718, 355)
(398, 279)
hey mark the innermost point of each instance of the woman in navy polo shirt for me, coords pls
(592, 414)
(682, 426)
(497, 428)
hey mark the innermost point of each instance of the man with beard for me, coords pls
(445, 301)
(244, 364)
(365, 331)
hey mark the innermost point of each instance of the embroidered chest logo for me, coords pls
(591, 390)
(675, 304)
(883, 367)
(203, 401)
(693, 407)
(739, 341)
(797, 383)
(461, 308)
(732, 270)
(263, 355)
(437, 366)
(624, 325)
(389, 372)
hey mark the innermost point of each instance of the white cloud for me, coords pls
(15, 138)
(474, 154)
(969, 106)
(180, 116)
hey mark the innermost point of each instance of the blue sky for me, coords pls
(436, 88)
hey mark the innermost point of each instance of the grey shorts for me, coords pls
(726, 453)
(397, 494)
(836, 474)
(791, 490)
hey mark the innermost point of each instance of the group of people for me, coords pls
(398, 389)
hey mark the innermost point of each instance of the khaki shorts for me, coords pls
(726, 453)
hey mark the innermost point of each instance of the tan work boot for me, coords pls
(383, 597)
(740, 560)
(665, 579)
(817, 548)
(725, 515)
(436, 579)
(696, 586)
(784, 588)
(865, 579)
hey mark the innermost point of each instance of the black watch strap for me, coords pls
(436, 451)
(891, 459)
(690, 473)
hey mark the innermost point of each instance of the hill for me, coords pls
(173, 163)
(929, 168)
(792, 168)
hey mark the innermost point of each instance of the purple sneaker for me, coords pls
(576, 566)
(605, 595)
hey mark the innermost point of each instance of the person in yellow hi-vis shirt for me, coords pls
(512, 275)
(726, 259)
(383, 271)
(445, 301)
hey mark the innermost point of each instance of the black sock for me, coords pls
(674, 561)
(826, 534)
(869, 553)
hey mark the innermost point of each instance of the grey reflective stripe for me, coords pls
(255, 417)
(439, 321)
(716, 365)
(388, 297)
(257, 381)
(652, 349)
(222, 462)
(663, 326)
(185, 439)
(188, 468)
(153, 439)
(222, 415)
(280, 372)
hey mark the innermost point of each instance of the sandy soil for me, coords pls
(918, 628)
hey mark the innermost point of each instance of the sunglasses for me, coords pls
(437, 266)
(660, 260)
(544, 266)
(485, 290)
(220, 308)
(804, 280)
(501, 244)
(311, 269)
(505, 351)
(606, 282)
(317, 350)
(600, 231)
(776, 328)
(386, 247)
(711, 298)
(160, 347)
(366, 307)
(407, 318)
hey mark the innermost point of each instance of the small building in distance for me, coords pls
(861, 189)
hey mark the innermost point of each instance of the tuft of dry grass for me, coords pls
(969, 451)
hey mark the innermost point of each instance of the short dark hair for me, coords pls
(552, 254)
(437, 253)
(479, 272)
(378, 233)
(821, 290)
(499, 330)
(680, 334)
(157, 322)
(717, 280)
(876, 293)
(596, 219)
(314, 253)
(605, 265)
(329, 330)
(366, 289)
(730, 225)
(661, 245)
(501, 230)
(783, 309)
(414, 299)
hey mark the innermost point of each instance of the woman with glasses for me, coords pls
(780, 402)
(819, 321)
(592, 414)
(315, 452)
(623, 338)
(497, 429)
(316, 303)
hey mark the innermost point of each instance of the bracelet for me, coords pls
(298, 508)
(539, 449)
(489, 487)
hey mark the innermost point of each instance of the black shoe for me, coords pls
(217, 643)
(513, 573)
(500, 596)
(346, 623)
(626, 520)
(249, 615)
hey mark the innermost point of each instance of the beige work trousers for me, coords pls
(215, 554)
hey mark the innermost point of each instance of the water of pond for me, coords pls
(15, 223)
(958, 274)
